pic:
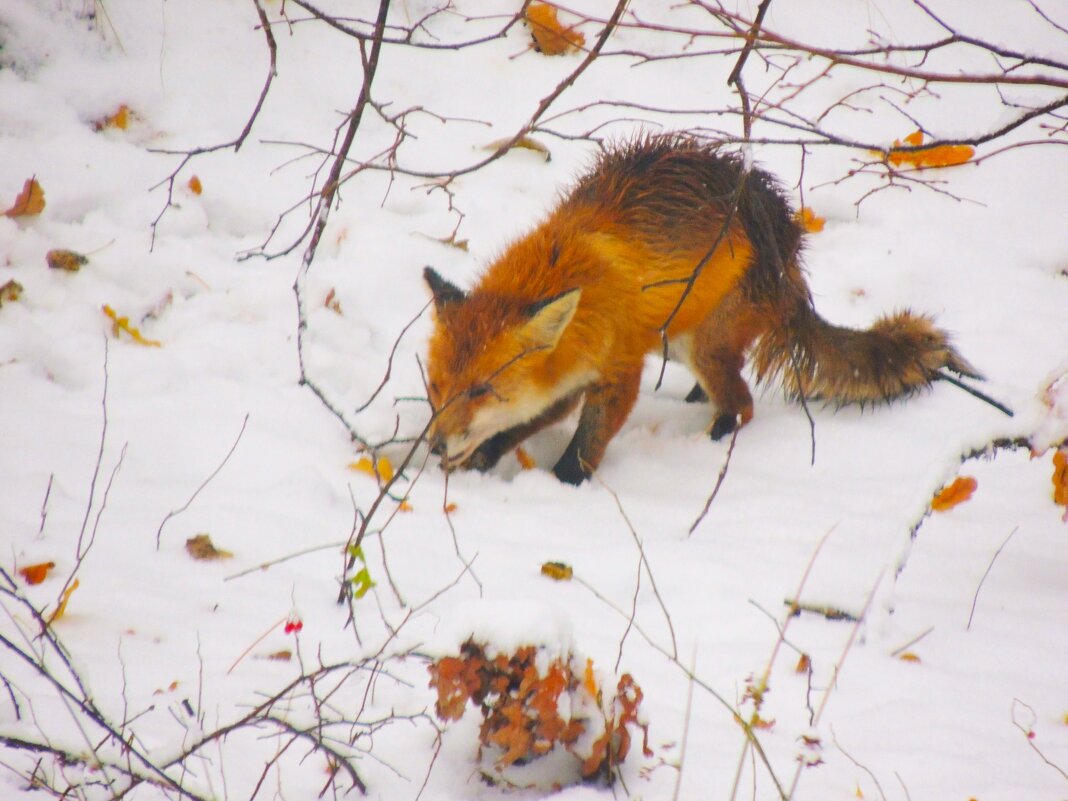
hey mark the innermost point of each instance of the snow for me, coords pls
(153, 633)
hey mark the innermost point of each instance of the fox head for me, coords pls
(487, 360)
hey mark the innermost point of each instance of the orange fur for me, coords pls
(565, 316)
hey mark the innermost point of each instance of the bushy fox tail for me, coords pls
(900, 354)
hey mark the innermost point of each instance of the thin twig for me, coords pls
(975, 598)
(215, 472)
(719, 482)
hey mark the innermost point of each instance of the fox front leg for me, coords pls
(490, 452)
(606, 409)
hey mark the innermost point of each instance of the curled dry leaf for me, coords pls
(804, 664)
(35, 574)
(955, 493)
(9, 292)
(68, 260)
(61, 609)
(558, 571)
(120, 324)
(202, 548)
(550, 37)
(909, 656)
(30, 201)
(195, 186)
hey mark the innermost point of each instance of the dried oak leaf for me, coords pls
(30, 201)
(68, 260)
(938, 156)
(955, 493)
(202, 548)
(9, 292)
(550, 37)
(35, 574)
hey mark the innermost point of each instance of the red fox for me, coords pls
(566, 315)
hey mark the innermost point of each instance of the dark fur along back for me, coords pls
(674, 187)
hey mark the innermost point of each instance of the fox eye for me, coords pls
(478, 390)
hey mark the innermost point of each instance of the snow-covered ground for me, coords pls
(168, 647)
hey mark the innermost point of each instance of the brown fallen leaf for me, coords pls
(10, 292)
(195, 186)
(1060, 477)
(35, 574)
(68, 260)
(30, 201)
(202, 548)
(558, 571)
(280, 656)
(804, 664)
(909, 656)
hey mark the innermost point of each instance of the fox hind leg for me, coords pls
(717, 356)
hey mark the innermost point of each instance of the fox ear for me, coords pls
(549, 318)
(443, 291)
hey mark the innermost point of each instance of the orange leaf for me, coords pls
(35, 574)
(589, 681)
(331, 301)
(550, 37)
(526, 461)
(450, 508)
(62, 608)
(30, 201)
(955, 493)
(404, 506)
(383, 469)
(121, 324)
(807, 219)
(195, 186)
(938, 156)
(120, 119)
(804, 664)
(1060, 477)
(908, 656)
